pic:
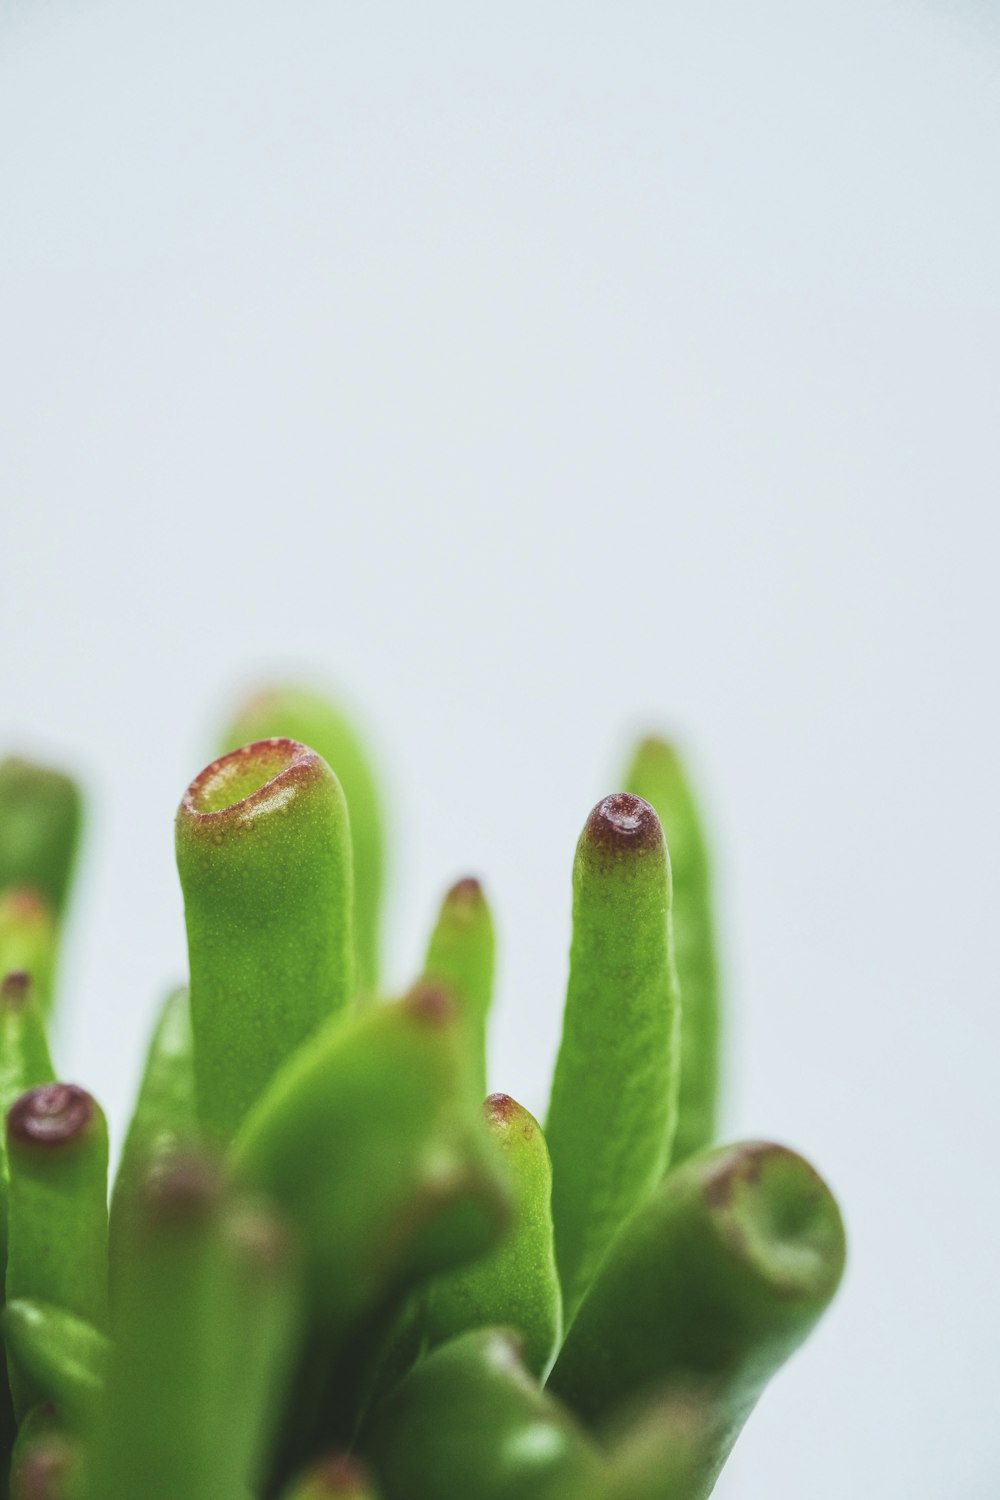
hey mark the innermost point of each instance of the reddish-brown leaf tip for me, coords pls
(25, 902)
(622, 824)
(185, 1188)
(15, 987)
(465, 892)
(430, 1002)
(55, 1114)
(341, 1477)
(500, 1107)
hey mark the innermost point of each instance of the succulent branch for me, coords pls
(331, 1270)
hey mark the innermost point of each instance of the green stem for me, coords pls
(657, 774)
(263, 852)
(614, 1093)
(300, 714)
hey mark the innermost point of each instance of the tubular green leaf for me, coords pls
(460, 956)
(614, 1094)
(28, 939)
(64, 1359)
(657, 774)
(40, 815)
(263, 851)
(164, 1120)
(261, 1312)
(470, 1421)
(179, 1329)
(340, 1478)
(302, 714)
(718, 1278)
(370, 1141)
(517, 1284)
(57, 1246)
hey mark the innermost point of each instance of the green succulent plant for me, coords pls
(329, 1269)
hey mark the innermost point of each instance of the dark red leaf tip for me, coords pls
(499, 1107)
(53, 1115)
(465, 892)
(15, 986)
(183, 1189)
(25, 902)
(506, 1116)
(342, 1477)
(623, 823)
(430, 1002)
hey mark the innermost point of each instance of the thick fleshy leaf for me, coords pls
(614, 1093)
(57, 1233)
(164, 1120)
(517, 1284)
(264, 856)
(64, 1358)
(470, 1421)
(302, 714)
(657, 774)
(40, 817)
(460, 957)
(716, 1280)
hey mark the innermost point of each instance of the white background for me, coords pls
(533, 374)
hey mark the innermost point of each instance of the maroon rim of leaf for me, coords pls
(55, 1114)
(252, 779)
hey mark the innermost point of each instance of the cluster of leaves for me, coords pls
(329, 1270)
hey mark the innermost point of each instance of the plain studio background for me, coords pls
(533, 374)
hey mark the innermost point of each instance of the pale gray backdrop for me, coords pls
(533, 373)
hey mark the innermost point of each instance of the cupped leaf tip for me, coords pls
(249, 782)
(779, 1218)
